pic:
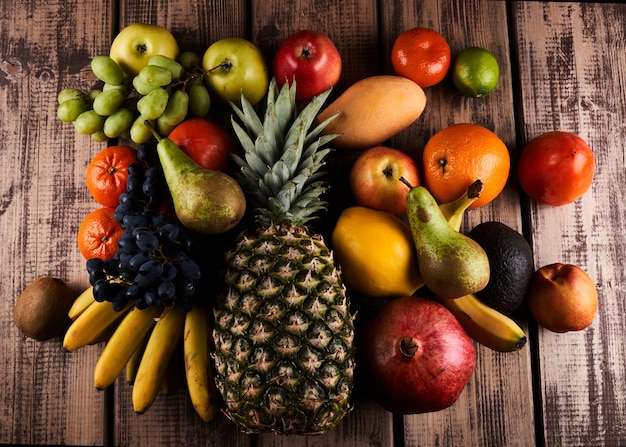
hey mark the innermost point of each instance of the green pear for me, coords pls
(452, 265)
(205, 201)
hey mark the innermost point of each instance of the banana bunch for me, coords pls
(482, 323)
(142, 344)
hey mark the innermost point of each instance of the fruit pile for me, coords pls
(266, 333)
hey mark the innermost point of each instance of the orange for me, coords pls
(460, 154)
(422, 55)
(376, 252)
(98, 234)
(107, 174)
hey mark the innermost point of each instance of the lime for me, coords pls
(475, 72)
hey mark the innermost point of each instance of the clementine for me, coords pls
(422, 55)
(98, 234)
(460, 154)
(107, 174)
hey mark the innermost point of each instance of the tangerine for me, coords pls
(107, 174)
(422, 55)
(460, 154)
(98, 234)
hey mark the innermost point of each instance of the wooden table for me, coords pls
(563, 67)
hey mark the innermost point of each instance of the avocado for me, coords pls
(510, 262)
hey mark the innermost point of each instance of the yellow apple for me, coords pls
(133, 47)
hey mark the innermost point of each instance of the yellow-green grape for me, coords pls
(107, 102)
(155, 76)
(118, 123)
(153, 104)
(199, 100)
(121, 87)
(139, 132)
(69, 109)
(69, 93)
(175, 112)
(190, 60)
(168, 63)
(140, 85)
(99, 136)
(88, 122)
(176, 109)
(107, 70)
(93, 93)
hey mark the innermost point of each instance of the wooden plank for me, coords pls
(47, 395)
(172, 419)
(352, 26)
(497, 406)
(572, 73)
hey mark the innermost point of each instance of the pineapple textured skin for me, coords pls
(284, 334)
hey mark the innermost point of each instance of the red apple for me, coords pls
(206, 142)
(375, 179)
(312, 59)
(562, 297)
(416, 356)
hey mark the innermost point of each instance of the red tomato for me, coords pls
(556, 168)
(207, 143)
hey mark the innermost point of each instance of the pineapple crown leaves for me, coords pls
(283, 154)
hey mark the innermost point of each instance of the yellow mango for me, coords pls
(373, 110)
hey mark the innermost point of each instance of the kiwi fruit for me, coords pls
(41, 310)
(510, 262)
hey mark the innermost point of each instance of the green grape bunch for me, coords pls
(163, 93)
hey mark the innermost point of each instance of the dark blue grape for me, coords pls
(133, 292)
(127, 244)
(146, 241)
(94, 265)
(102, 290)
(166, 290)
(168, 232)
(138, 260)
(118, 301)
(132, 221)
(169, 271)
(151, 269)
(151, 297)
(190, 270)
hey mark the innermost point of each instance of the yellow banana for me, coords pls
(455, 210)
(92, 322)
(133, 363)
(198, 367)
(174, 378)
(123, 342)
(486, 325)
(81, 303)
(156, 357)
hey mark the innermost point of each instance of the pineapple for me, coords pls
(284, 334)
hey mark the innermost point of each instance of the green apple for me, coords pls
(234, 67)
(133, 47)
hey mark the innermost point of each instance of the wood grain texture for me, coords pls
(47, 396)
(562, 67)
(572, 71)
